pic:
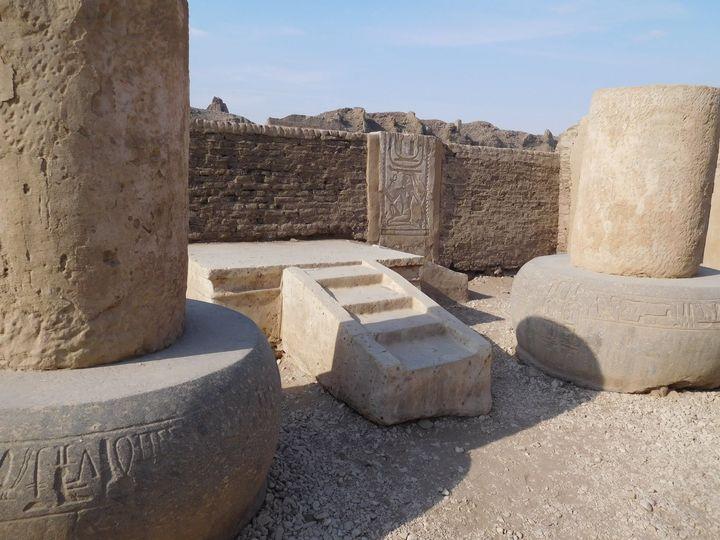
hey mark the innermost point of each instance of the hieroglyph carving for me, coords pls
(405, 184)
(571, 303)
(68, 475)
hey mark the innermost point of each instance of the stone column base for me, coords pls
(618, 333)
(176, 444)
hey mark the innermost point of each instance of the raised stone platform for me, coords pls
(175, 444)
(246, 276)
(618, 333)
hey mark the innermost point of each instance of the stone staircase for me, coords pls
(382, 346)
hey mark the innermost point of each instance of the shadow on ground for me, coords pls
(337, 475)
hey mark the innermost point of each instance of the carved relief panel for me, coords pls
(403, 191)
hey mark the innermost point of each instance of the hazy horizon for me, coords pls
(521, 65)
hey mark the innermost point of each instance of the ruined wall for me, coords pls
(250, 182)
(499, 207)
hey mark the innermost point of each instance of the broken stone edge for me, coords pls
(174, 444)
(222, 126)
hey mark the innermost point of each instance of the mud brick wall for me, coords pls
(499, 207)
(250, 183)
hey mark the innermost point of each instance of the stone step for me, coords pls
(369, 298)
(429, 351)
(344, 276)
(384, 348)
(400, 324)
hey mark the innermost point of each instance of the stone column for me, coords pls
(644, 191)
(93, 179)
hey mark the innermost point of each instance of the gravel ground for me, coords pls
(550, 461)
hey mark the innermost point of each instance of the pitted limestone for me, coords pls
(648, 167)
(93, 175)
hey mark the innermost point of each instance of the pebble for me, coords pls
(425, 423)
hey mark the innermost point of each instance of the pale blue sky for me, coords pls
(520, 64)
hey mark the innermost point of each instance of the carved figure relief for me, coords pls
(405, 184)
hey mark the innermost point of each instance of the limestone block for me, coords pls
(712, 243)
(404, 176)
(618, 333)
(570, 149)
(376, 342)
(441, 283)
(172, 445)
(93, 179)
(644, 192)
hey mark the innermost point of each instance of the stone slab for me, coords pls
(246, 276)
(171, 445)
(442, 284)
(618, 333)
(221, 257)
(404, 176)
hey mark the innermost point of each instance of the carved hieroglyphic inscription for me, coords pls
(64, 476)
(570, 302)
(405, 184)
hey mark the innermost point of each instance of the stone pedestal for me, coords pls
(172, 445)
(93, 180)
(634, 311)
(618, 333)
(93, 264)
(643, 197)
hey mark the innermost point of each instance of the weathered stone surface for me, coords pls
(441, 283)
(7, 82)
(93, 180)
(377, 343)
(404, 177)
(619, 333)
(255, 183)
(246, 276)
(218, 105)
(477, 133)
(171, 445)
(499, 207)
(570, 149)
(712, 243)
(647, 173)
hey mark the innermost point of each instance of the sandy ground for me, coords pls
(550, 461)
